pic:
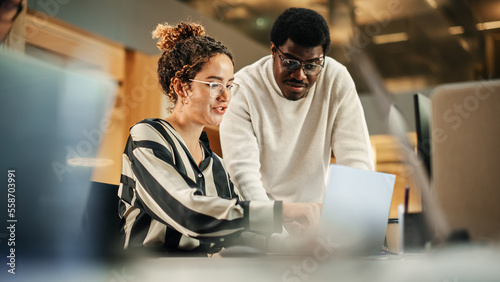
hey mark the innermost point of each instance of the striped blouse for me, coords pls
(169, 203)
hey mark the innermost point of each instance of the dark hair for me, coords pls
(304, 27)
(186, 50)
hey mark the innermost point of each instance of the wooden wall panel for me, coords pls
(51, 34)
(140, 98)
(143, 93)
(390, 160)
(138, 95)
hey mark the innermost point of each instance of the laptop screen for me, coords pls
(356, 208)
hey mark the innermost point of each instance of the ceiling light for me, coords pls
(464, 44)
(488, 25)
(261, 23)
(432, 3)
(456, 30)
(390, 38)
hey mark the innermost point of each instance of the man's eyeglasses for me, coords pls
(9, 10)
(217, 88)
(293, 65)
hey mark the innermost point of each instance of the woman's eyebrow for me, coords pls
(219, 78)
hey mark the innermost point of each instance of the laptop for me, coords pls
(356, 209)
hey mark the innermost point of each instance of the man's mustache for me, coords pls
(294, 81)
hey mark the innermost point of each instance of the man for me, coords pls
(295, 108)
(9, 10)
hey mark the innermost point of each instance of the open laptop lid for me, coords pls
(356, 209)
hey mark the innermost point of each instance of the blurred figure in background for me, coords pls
(9, 10)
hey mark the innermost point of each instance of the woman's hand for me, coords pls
(303, 216)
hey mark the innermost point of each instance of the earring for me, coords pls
(185, 101)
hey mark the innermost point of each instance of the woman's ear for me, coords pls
(179, 88)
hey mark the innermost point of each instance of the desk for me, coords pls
(459, 264)
(469, 263)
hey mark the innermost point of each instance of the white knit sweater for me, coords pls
(280, 149)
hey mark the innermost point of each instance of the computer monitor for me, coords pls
(48, 114)
(422, 121)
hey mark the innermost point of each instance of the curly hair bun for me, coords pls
(170, 35)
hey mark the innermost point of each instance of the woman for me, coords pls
(9, 10)
(175, 194)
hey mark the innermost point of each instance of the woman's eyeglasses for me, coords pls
(293, 65)
(217, 88)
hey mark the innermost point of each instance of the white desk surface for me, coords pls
(459, 264)
(454, 265)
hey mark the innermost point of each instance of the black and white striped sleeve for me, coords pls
(167, 188)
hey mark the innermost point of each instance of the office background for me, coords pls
(415, 45)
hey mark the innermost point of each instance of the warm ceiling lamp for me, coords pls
(488, 25)
(390, 38)
(432, 3)
(455, 30)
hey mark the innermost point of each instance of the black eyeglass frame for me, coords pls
(299, 64)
